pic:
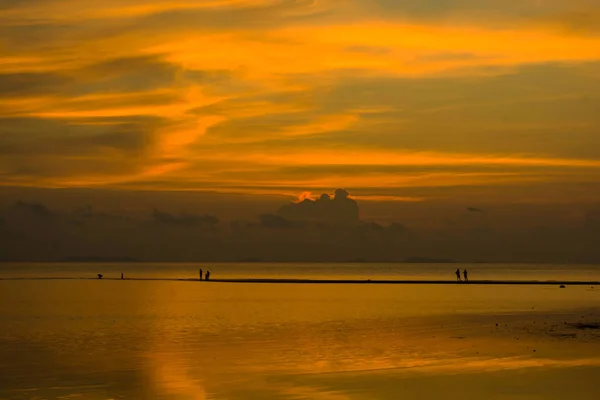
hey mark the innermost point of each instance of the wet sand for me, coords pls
(407, 282)
(332, 281)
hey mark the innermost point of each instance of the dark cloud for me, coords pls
(31, 209)
(397, 228)
(474, 209)
(210, 76)
(118, 75)
(25, 36)
(187, 220)
(273, 14)
(340, 209)
(495, 13)
(274, 221)
(30, 146)
(440, 8)
(127, 74)
(592, 220)
(33, 231)
(26, 168)
(373, 226)
(17, 4)
(27, 84)
(131, 100)
(237, 224)
(37, 147)
(576, 21)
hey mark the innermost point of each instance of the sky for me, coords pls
(413, 106)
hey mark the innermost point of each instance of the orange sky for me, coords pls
(266, 95)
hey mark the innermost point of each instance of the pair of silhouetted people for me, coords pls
(207, 276)
(100, 276)
(465, 274)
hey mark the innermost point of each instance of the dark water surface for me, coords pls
(99, 339)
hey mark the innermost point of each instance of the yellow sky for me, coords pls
(273, 94)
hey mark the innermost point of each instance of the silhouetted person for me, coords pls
(458, 275)
(201, 273)
(121, 275)
(207, 276)
(99, 276)
(465, 275)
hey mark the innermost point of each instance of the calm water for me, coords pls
(95, 339)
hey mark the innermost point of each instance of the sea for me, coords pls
(78, 337)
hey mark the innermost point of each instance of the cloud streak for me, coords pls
(254, 94)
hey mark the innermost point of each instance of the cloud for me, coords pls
(48, 150)
(397, 228)
(339, 209)
(118, 224)
(303, 196)
(592, 220)
(474, 209)
(274, 221)
(496, 13)
(31, 210)
(188, 220)
(28, 83)
(132, 74)
(264, 96)
(37, 136)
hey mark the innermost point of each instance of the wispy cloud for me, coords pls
(232, 92)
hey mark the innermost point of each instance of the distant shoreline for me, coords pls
(136, 261)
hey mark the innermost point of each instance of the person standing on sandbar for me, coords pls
(465, 275)
(458, 275)
(200, 273)
(207, 277)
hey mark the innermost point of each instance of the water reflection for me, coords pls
(176, 340)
